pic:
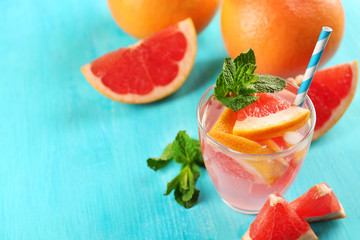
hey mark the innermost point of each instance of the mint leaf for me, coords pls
(238, 102)
(244, 58)
(186, 204)
(269, 84)
(237, 83)
(198, 159)
(220, 89)
(229, 70)
(183, 148)
(165, 159)
(173, 184)
(186, 151)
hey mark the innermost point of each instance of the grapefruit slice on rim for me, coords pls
(278, 221)
(318, 204)
(332, 90)
(263, 171)
(149, 70)
(269, 117)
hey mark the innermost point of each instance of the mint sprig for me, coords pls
(237, 83)
(187, 152)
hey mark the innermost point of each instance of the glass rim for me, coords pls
(250, 156)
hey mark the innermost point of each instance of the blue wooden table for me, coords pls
(73, 163)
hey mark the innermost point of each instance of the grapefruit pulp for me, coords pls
(332, 90)
(278, 221)
(318, 204)
(269, 117)
(151, 69)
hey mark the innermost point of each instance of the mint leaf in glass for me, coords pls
(237, 83)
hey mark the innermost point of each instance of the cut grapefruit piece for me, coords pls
(226, 122)
(318, 204)
(277, 144)
(278, 221)
(269, 117)
(332, 90)
(151, 69)
(263, 171)
(239, 144)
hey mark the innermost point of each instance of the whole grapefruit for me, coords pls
(141, 18)
(282, 33)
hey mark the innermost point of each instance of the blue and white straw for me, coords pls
(313, 65)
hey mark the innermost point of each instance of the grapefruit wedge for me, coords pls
(332, 90)
(149, 70)
(262, 171)
(318, 204)
(269, 117)
(278, 221)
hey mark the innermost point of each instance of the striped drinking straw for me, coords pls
(313, 65)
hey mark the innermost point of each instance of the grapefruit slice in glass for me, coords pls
(318, 204)
(149, 70)
(277, 220)
(266, 172)
(269, 117)
(332, 90)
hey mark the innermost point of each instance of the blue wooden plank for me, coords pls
(72, 162)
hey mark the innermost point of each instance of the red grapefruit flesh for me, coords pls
(228, 165)
(332, 90)
(318, 204)
(269, 117)
(151, 69)
(278, 221)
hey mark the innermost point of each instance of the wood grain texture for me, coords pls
(72, 162)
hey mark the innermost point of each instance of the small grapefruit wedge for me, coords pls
(151, 69)
(278, 221)
(318, 204)
(332, 90)
(269, 117)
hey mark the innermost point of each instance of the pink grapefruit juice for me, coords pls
(244, 181)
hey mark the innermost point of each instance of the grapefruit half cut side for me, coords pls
(332, 91)
(269, 117)
(277, 220)
(318, 204)
(149, 70)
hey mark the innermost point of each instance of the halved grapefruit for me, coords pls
(278, 221)
(332, 90)
(151, 69)
(318, 204)
(269, 117)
